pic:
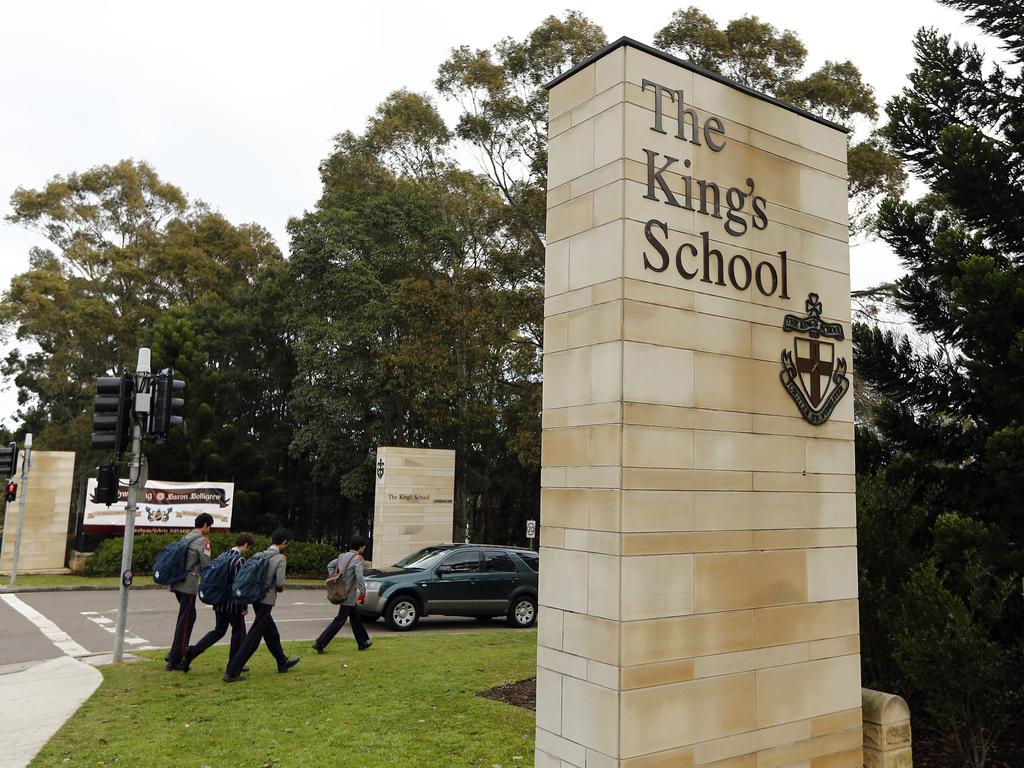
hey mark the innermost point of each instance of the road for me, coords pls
(89, 617)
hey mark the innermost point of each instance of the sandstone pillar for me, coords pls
(44, 537)
(698, 539)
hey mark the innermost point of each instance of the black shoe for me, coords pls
(288, 664)
(184, 666)
(318, 649)
(232, 678)
(171, 666)
(366, 645)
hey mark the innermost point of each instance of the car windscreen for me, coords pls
(424, 558)
(532, 559)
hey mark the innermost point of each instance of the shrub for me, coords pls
(310, 558)
(304, 558)
(970, 684)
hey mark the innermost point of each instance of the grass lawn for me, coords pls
(409, 701)
(67, 580)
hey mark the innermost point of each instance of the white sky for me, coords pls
(237, 102)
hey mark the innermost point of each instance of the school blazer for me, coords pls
(275, 575)
(352, 578)
(197, 558)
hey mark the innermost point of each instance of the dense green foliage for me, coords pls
(134, 264)
(409, 311)
(940, 513)
(406, 702)
(758, 55)
(304, 558)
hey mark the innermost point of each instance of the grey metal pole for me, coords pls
(26, 463)
(141, 410)
(129, 540)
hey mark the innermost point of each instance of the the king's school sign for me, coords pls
(740, 209)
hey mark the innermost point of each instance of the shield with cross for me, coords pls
(815, 361)
(812, 374)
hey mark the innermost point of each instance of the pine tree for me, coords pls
(949, 418)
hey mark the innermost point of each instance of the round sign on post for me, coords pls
(531, 529)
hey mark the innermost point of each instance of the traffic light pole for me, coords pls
(134, 477)
(134, 472)
(26, 463)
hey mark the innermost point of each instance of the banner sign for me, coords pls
(163, 506)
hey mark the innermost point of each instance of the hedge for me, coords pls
(304, 558)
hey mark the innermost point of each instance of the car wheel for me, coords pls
(402, 613)
(523, 612)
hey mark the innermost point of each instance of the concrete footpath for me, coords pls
(36, 700)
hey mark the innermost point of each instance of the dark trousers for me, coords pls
(235, 620)
(344, 612)
(183, 627)
(263, 628)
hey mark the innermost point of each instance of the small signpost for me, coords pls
(531, 531)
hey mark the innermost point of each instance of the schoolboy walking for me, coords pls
(228, 613)
(197, 557)
(350, 569)
(263, 626)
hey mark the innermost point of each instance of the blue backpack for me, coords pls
(215, 588)
(251, 582)
(169, 565)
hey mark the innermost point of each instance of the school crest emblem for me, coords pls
(811, 373)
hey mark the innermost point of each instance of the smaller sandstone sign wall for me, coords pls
(414, 501)
(44, 535)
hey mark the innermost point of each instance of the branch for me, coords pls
(882, 290)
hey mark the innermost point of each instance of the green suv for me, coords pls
(455, 580)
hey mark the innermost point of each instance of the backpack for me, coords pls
(336, 591)
(169, 567)
(251, 582)
(215, 588)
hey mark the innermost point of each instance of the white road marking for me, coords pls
(55, 634)
(108, 625)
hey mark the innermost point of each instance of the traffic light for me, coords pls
(111, 421)
(11, 491)
(107, 485)
(166, 406)
(9, 460)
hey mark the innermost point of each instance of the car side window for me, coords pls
(532, 559)
(463, 561)
(498, 561)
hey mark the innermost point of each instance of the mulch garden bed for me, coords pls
(929, 749)
(522, 694)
